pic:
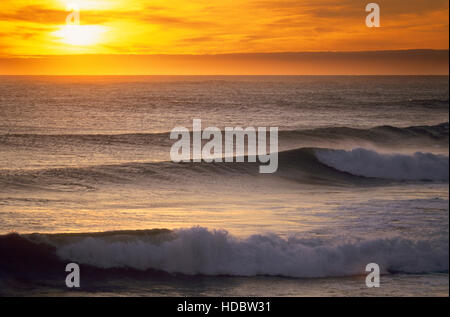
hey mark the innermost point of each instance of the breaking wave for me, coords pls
(198, 251)
(307, 165)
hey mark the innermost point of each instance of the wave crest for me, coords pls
(367, 163)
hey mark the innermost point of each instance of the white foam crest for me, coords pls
(367, 163)
(201, 251)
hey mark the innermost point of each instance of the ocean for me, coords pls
(86, 177)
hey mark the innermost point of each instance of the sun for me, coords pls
(80, 35)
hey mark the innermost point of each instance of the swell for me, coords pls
(380, 135)
(198, 251)
(430, 103)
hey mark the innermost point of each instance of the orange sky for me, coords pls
(37, 28)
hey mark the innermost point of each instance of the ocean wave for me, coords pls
(198, 251)
(307, 165)
(367, 163)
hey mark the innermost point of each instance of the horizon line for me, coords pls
(224, 75)
(328, 63)
(233, 53)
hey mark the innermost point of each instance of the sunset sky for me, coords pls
(37, 28)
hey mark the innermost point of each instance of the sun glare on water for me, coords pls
(80, 35)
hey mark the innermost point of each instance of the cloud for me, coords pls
(36, 14)
(214, 27)
(44, 15)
